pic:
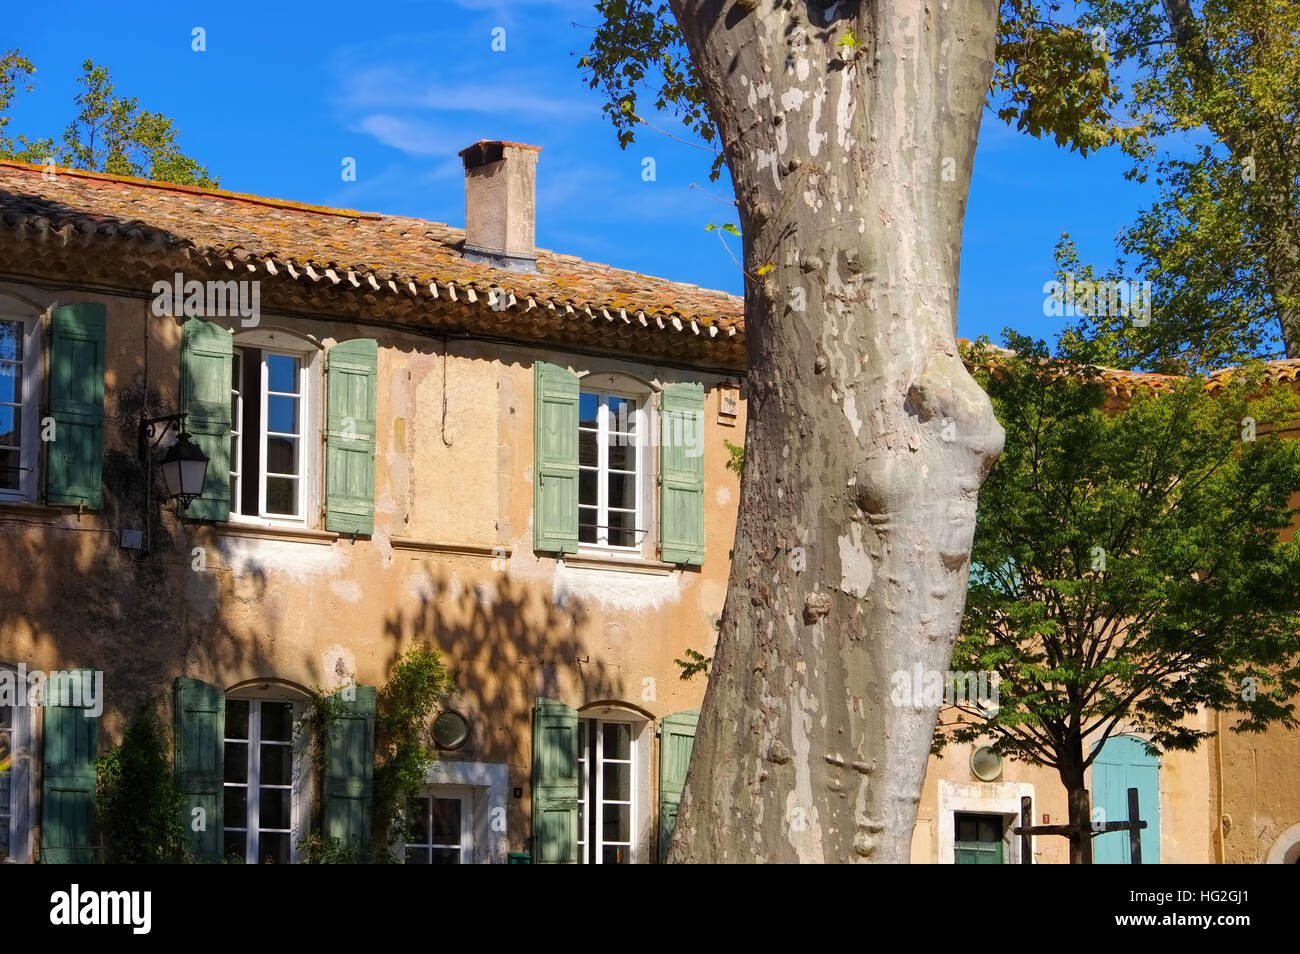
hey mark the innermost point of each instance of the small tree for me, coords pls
(137, 805)
(1129, 569)
(418, 685)
(108, 134)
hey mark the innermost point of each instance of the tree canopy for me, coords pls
(1130, 568)
(108, 133)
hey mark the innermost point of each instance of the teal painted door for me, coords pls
(978, 839)
(1121, 765)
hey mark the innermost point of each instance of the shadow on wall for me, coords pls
(504, 643)
(71, 597)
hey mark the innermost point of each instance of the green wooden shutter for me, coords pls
(681, 474)
(74, 459)
(555, 465)
(207, 359)
(676, 739)
(352, 376)
(555, 783)
(349, 768)
(68, 781)
(200, 715)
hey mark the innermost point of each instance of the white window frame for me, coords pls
(30, 392)
(18, 813)
(641, 421)
(299, 798)
(594, 853)
(465, 796)
(309, 439)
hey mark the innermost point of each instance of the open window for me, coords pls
(274, 428)
(613, 466)
(20, 363)
(616, 460)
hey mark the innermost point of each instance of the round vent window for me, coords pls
(986, 764)
(450, 730)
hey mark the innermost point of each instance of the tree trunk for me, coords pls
(1071, 772)
(849, 130)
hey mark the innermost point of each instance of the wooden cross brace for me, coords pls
(1133, 826)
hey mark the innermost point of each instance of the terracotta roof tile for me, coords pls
(389, 254)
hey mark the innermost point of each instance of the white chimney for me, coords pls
(501, 204)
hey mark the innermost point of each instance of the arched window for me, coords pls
(267, 773)
(613, 785)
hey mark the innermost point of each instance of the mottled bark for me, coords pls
(867, 440)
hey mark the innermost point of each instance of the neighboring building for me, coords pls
(415, 434)
(1235, 800)
(423, 434)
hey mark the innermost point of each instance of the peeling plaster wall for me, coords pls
(453, 481)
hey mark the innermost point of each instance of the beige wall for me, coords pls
(511, 624)
(270, 605)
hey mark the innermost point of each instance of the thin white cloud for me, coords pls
(409, 136)
(510, 95)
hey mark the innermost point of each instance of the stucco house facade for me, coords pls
(422, 435)
(415, 434)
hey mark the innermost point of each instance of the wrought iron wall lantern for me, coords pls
(184, 466)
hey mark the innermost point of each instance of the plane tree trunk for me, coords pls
(849, 130)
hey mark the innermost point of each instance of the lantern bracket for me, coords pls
(154, 429)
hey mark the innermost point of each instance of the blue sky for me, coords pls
(279, 99)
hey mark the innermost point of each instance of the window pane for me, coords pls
(11, 426)
(587, 524)
(236, 845)
(11, 382)
(417, 821)
(446, 821)
(10, 469)
(618, 740)
(446, 856)
(622, 456)
(618, 823)
(236, 806)
(616, 855)
(281, 415)
(236, 718)
(621, 413)
(588, 453)
(236, 762)
(274, 808)
(622, 491)
(282, 496)
(587, 407)
(282, 455)
(618, 782)
(11, 340)
(281, 373)
(236, 369)
(622, 529)
(587, 487)
(277, 721)
(275, 849)
(417, 856)
(6, 717)
(277, 764)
